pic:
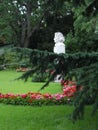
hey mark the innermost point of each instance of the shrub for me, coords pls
(15, 57)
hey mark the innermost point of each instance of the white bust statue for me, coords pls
(59, 43)
(59, 47)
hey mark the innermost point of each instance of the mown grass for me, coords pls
(8, 84)
(38, 118)
(43, 118)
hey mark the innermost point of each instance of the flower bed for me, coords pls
(69, 88)
(40, 99)
(33, 99)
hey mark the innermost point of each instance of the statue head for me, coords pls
(58, 37)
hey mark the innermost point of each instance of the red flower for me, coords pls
(69, 90)
(23, 95)
(47, 96)
(59, 96)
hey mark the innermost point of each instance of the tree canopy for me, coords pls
(32, 23)
(84, 36)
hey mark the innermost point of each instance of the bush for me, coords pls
(15, 57)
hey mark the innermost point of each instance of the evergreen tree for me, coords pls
(82, 66)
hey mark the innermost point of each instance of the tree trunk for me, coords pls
(26, 28)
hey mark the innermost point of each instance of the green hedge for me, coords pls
(15, 57)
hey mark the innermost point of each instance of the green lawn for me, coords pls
(8, 84)
(38, 118)
(43, 118)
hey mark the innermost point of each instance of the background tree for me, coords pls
(84, 36)
(33, 23)
(22, 16)
(58, 18)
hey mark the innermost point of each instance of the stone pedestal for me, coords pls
(58, 78)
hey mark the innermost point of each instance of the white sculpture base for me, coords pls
(58, 78)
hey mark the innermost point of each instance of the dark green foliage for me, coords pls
(15, 57)
(82, 67)
(84, 35)
(22, 29)
(40, 77)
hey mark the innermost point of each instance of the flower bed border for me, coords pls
(38, 99)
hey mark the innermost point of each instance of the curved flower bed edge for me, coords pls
(38, 99)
